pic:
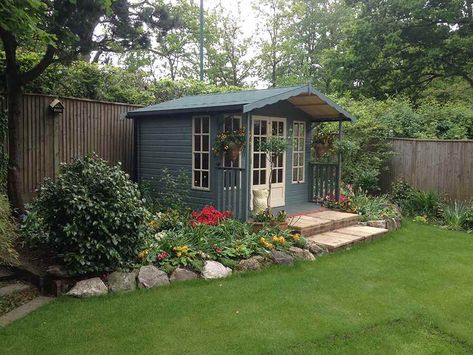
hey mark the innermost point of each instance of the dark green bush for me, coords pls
(8, 255)
(92, 217)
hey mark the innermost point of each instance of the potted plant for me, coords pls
(230, 143)
(267, 218)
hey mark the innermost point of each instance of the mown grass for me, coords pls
(410, 292)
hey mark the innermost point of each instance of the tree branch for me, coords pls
(39, 68)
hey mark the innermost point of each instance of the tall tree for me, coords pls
(229, 61)
(402, 46)
(63, 31)
(274, 19)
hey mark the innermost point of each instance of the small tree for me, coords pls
(273, 146)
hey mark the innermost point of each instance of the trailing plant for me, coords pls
(8, 234)
(91, 217)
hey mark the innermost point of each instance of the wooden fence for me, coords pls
(49, 138)
(445, 166)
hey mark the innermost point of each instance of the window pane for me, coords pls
(263, 177)
(294, 159)
(279, 175)
(205, 161)
(274, 129)
(228, 124)
(197, 178)
(301, 174)
(205, 125)
(196, 160)
(205, 179)
(256, 144)
(263, 161)
(301, 145)
(296, 129)
(255, 177)
(256, 161)
(197, 143)
(197, 124)
(257, 127)
(236, 123)
(302, 130)
(281, 129)
(264, 128)
(273, 176)
(205, 143)
(294, 174)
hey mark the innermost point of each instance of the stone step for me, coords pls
(13, 288)
(321, 222)
(24, 310)
(347, 236)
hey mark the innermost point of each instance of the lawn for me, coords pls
(410, 292)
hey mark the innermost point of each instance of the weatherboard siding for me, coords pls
(166, 143)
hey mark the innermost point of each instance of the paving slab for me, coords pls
(13, 288)
(334, 215)
(307, 222)
(24, 310)
(361, 231)
(332, 240)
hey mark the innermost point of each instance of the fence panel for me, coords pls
(445, 166)
(84, 126)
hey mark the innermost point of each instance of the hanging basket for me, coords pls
(233, 153)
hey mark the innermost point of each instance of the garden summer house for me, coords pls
(178, 135)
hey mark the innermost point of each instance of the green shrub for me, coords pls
(371, 207)
(8, 255)
(455, 216)
(92, 217)
(468, 225)
(414, 202)
(167, 191)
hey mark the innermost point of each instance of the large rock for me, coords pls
(280, 257)
(301, 254)
(150, 276)
(393, 223)
(315, 248)
(89, 288)
(254, 263)
(121, 281)
(215, 270)
(183, 275)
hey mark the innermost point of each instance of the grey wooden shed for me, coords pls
(179, 134)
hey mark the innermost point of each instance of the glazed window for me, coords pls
(298, 152)
(201, 153)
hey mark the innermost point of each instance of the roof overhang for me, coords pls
(315, 104)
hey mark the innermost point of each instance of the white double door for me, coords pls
(264, 127)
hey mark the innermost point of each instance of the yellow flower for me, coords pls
(181, 250)
(296, 236)
(279, 239)
(143, 254)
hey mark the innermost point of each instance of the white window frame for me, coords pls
(201, 134)
(294, 151)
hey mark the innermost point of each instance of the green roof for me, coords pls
(245, 101)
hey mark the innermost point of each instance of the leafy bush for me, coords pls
(368, 207)
(455, 216)
(92, 217)
(468, 225)
(8, 255)
(167, 191)
(414, 202)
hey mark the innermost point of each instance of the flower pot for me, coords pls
(257, 226)
(233, 153)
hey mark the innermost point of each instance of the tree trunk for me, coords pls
(14, 97)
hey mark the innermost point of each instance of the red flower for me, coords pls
(161, 256)
(209, 215)
(217, 249)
